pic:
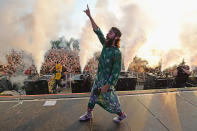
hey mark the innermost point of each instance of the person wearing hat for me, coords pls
(109, 66)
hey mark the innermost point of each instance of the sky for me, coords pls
(77, 19)
(155, 30)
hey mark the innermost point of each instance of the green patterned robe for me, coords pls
(108, 72)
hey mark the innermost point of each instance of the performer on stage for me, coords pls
(58, 76)
(103, 92)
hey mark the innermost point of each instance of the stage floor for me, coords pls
(152, 111)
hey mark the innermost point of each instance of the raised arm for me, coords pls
(94, 26)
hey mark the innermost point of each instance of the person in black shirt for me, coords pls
(181, 76)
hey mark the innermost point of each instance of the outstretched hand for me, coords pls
(87, 11)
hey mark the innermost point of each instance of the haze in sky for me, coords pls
(152, 29)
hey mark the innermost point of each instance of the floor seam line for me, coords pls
(186, 100)
(153, 115)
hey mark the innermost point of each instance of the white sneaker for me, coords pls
(86, 116)
(118, 119)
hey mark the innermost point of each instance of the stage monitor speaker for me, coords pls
(36, 87)
(161, 84)
(123, 84)
(5, 84)
(158, 83)
(126, 84)
(80, 86)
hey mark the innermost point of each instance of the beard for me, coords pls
(109, 42)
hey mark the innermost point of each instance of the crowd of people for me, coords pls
(69, 59)
(15, 64)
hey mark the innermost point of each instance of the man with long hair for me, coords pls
(109, 66)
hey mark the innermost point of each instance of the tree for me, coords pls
(75, 45)
(72, 44)
(138, 65)
(55, 43)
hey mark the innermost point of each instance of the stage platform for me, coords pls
(151, 110)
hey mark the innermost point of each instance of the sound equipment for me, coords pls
(38, 86)
(126, 84)
(81, 84)
(163, 83)
(84, 84)
(5, 84)
(158, 83)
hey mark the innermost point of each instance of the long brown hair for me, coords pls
(118, 34)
